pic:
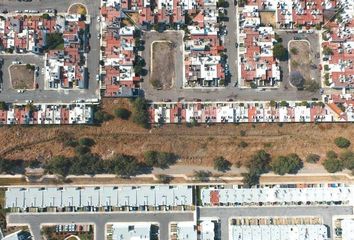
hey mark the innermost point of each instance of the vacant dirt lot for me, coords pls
(21, 77)
(78, 9)
(195, 146)
(300, 58)
(268, 18)
(163, 65)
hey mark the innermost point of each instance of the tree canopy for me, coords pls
(291, 163)
(221, 164)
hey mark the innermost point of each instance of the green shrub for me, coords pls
(312, 158)
(291, 163)
(122, 113)
(88, 142)
(81, 150)
(342, 142)
(243, 144)
(221, 164)
(333, 165)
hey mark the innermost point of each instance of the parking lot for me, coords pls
(99, 220)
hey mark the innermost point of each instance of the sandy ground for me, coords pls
(163, 64)
(196, 146)
(21, 77)
(268, 18)
(301, 61)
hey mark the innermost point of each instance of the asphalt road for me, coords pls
(229, 42)
(226, 213)
(55, 96)
(35, 220)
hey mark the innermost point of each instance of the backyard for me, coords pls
(22, 76)
(162, 65)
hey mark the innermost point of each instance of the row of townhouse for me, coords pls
(117, 49)
(99, 196)
(338, 108)
(257, 63)
(338, 48)
(47, 114)
(67, 68)
(27, 33)
(295, 13)
(203, 46)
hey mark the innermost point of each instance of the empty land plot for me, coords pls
(21, 77)
(162, 64)
(268, 18)
(300, 58)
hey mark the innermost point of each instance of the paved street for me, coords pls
(99, 219)
(54, 96)
(230, 40)
(225, 213)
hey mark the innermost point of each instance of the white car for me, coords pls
(98, 19)
(97, 77)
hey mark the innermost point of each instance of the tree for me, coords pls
(101, 62)
(125, 165)
(88, 142)
(259, 162)
(202, 176)
(347, 157)
(312, 158)
(291, 163)
(333, 165)
(221, 164)
(296, 79)
(331, 154)
(250, 179)
(327, 51)
(342, 142)
(159, 159)
(53, 40)
(140, 114)
(280, 52)
(101, 116)
(45, 16)
(59, 165)
(283, 104)
(242, 133)
(122, 113)
(3, 106)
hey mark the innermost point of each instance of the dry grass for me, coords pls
(301, 60)
(268, 18)
(196, 146)
(78, 9)
(163, 64)
(21, 77)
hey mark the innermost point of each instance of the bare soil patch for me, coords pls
(300, 58)
(163, 65)
(78, 9)
(21, 77)
(267, 18)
